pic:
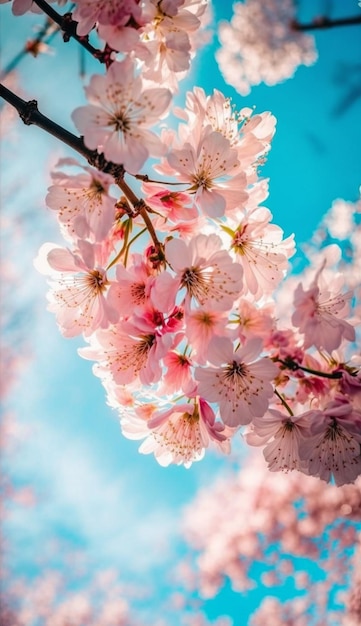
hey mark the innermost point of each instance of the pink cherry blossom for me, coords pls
(333, 449)
(339, 220)
(129, 351)
(320, 313)
(120, 37)
(194, 312)
(237, 382)
(79, 287)
(201, 325)
(173, 206)
(350, 385)
(106, 12)
(169, 50)
(254, 321)
(283, 434)
(187, 230)
(283, 344)
(208, 166)
(259, 44)
(313, 389)
(195, 155)
(85, 210)
(119, 115)
(256, 516)
(132, 286)
(249, 134)
(261, 251)
(203, 269)
(179, 434)
(19, 7)
(169, 39)
(178, 377)
(215, 111)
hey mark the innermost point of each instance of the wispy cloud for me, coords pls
(81, 497)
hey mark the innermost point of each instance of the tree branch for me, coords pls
(325, 22)
(292, 365)
(68, 26)
(30, 114)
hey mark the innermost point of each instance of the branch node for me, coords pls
(68, 26)
(28, 111)
(156, 256)
(105, 56)
(99, 161)
(139, 206)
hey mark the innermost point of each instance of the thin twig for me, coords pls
(68, 26)
(325, 22)
(140, 209)
(287, 406)
(30, 114)
(292, 365)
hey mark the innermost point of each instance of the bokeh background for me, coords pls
(79, 501)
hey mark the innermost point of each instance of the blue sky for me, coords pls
(95, 491)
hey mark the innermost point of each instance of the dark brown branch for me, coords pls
(30, 114)
(140, 208)
(68, 26)
(325, 22)
(292, 365)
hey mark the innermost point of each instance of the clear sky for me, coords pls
(94, 490)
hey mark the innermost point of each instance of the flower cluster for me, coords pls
(161, 319)
(259, 44)
(245, 527)
(171, 277)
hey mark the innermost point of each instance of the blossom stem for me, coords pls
(287, 407)
(145, 178)
(68, 26)
(30, 114)
(140, 209)
(141, 232)
(127, 230)
(293, 365)
(325, 22)
(126, 246)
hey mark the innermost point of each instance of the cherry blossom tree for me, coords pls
(236, 264)
(178, 281)
(265, 43)
(259, 44)
(245, 528)
(66, 589)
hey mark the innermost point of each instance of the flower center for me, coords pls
(144, 345)
(96, 281)
(234, 370)
(96, 190)
(137, 291)
(201, 179)
(334, 432)
(240, 240)
(196, 283)
(120, 122)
